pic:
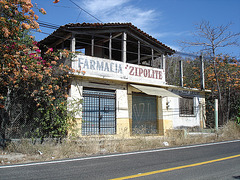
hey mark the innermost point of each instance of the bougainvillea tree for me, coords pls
(33, 87)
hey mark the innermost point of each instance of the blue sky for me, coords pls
(169, 21)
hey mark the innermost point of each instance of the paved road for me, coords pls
(210, 161)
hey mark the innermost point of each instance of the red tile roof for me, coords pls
(116, 25)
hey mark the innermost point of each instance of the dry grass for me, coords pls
(26, 151)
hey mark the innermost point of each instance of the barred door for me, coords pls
(99, 112)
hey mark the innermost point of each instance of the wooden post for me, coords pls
(124, 47)
(73, 43)
(202, 73)
(181, 72)
(216, 114)
(139, 52)
(110, 46)
(92, 46)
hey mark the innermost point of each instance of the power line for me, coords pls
(86, 11)
(78, 15)
(192, 55)
(48, 25)
(186, 54)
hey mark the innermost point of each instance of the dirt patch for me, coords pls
(10, 158)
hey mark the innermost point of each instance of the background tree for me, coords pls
(191, 71)
(210, 39)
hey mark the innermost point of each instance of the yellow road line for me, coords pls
(175, 168)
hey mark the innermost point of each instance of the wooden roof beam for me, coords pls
(145, 58)
(145, 42)
(61, 40)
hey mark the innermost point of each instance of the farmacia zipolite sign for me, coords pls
(116, 70)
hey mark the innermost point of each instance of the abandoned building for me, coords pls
(123, 86)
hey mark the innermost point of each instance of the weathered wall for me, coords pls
(114, 75)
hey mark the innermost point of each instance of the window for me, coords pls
(186, 106)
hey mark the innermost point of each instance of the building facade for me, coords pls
(122, 82)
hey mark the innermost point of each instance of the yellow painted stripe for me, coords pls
(175, 168)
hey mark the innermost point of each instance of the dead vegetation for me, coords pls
(25, 150)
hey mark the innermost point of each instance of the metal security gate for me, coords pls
(99, 112)
(144, 114)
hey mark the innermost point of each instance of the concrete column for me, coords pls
(92, 46)
(110, 46)
(73, 43)
(124, 47)
(139, 52)
(151, 62)
(181, 72)
(163, 58)
(216, 114)
(202, 73)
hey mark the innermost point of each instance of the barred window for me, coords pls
(186, 106)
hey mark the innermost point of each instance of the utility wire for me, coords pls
(78, 15)
(47, 25)
(86, 11)
(192, 55)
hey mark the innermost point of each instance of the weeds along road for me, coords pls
(206, 161)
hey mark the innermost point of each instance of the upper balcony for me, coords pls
(121, 45)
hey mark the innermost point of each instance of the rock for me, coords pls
(165, 143)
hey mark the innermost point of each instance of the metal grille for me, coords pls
(186, 106)
(99, 112)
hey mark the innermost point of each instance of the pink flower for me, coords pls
(38, 50)
(36, 43)
(38, 62)
(50, 49)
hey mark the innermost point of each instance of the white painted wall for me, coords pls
(122, 103)
(172, 113)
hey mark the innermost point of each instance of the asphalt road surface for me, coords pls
(206, 161)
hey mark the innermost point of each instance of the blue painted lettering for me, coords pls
(120, 69)
(111, 67)
(92, 64)
(106, 68)
(86, 64)
(99, 66)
